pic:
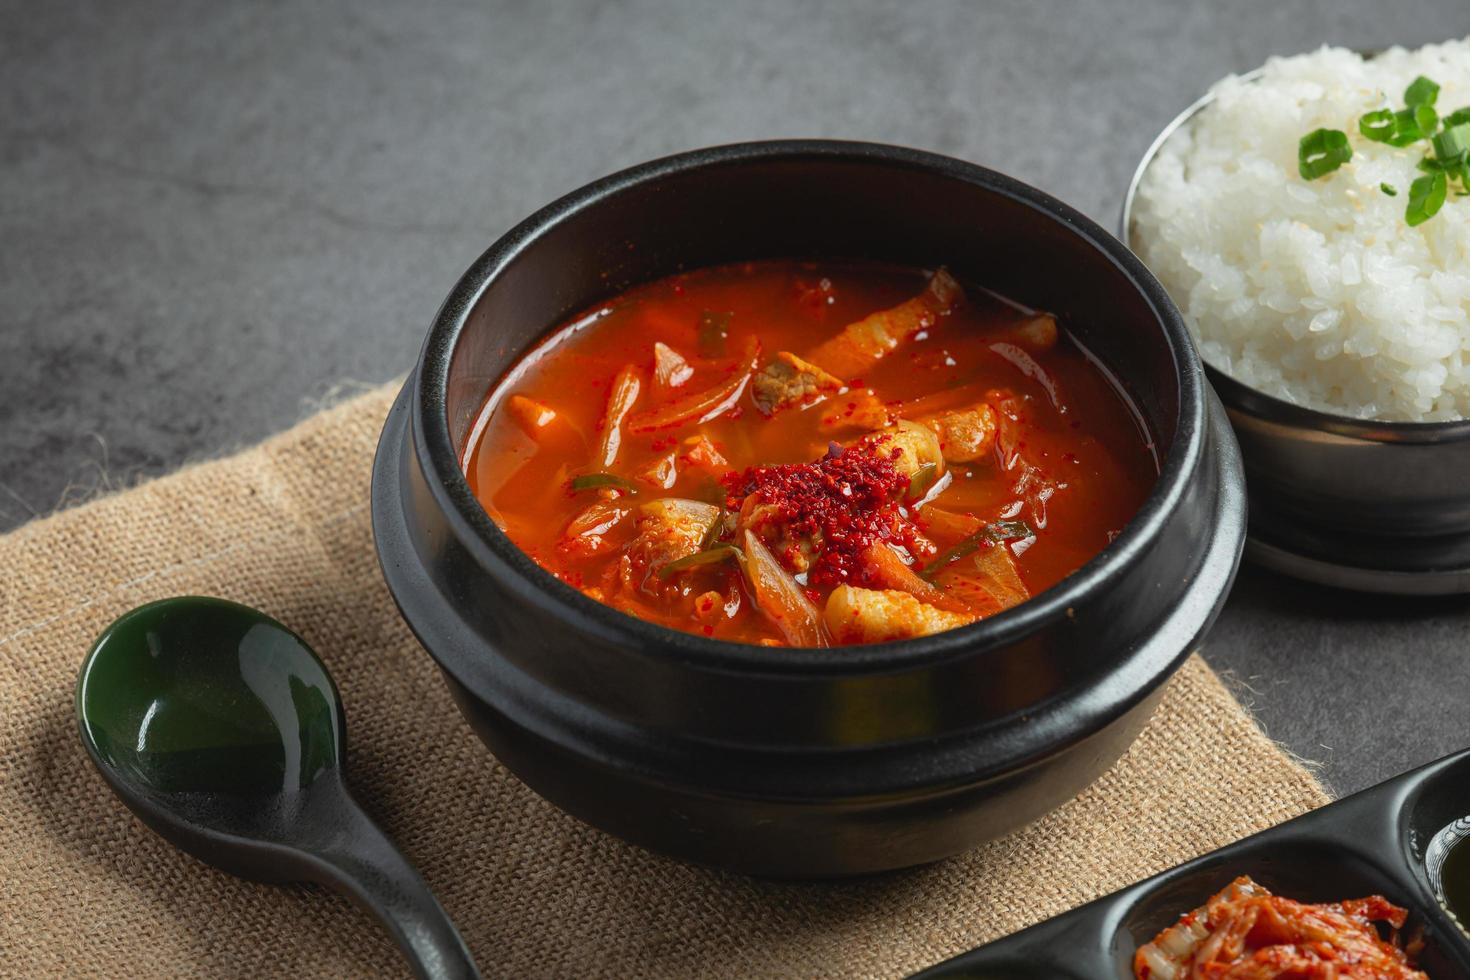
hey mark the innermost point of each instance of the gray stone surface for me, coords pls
(212, 215)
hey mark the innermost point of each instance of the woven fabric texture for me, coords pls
(86, 890)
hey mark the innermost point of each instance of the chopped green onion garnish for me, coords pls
(1322, 151)
(1452, 169)
(921, 481)
(1405, 129)
(1009, 530)
(1421, 91)
(1378, 126)
(1426, 197)
(1426, 119)
(1452, 143)
(592, 481)
(709, 556)
(997, 533)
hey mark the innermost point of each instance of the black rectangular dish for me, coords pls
(1390, 840)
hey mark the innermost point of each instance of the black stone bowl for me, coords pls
(794, 762)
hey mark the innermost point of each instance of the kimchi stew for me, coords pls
(807, 454)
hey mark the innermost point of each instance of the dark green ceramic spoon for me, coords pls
(223, 732)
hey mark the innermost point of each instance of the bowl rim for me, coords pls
(477, 532)
(1241, 397)
(1238, 395)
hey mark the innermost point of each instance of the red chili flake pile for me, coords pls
(848, 499)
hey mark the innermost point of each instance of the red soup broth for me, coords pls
(810, 453)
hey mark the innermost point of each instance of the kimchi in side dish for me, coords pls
(809, 454)
(1247, 933)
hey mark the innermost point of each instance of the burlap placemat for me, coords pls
(86, 890)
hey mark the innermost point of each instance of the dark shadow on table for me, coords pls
(1328, 674)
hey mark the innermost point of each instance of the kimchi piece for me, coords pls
(1246, 933)
(810, 454)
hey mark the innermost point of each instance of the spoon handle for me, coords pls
(358, 860)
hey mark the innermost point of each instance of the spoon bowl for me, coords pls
(223, 731)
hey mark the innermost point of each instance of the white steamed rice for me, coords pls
(1316, 292)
